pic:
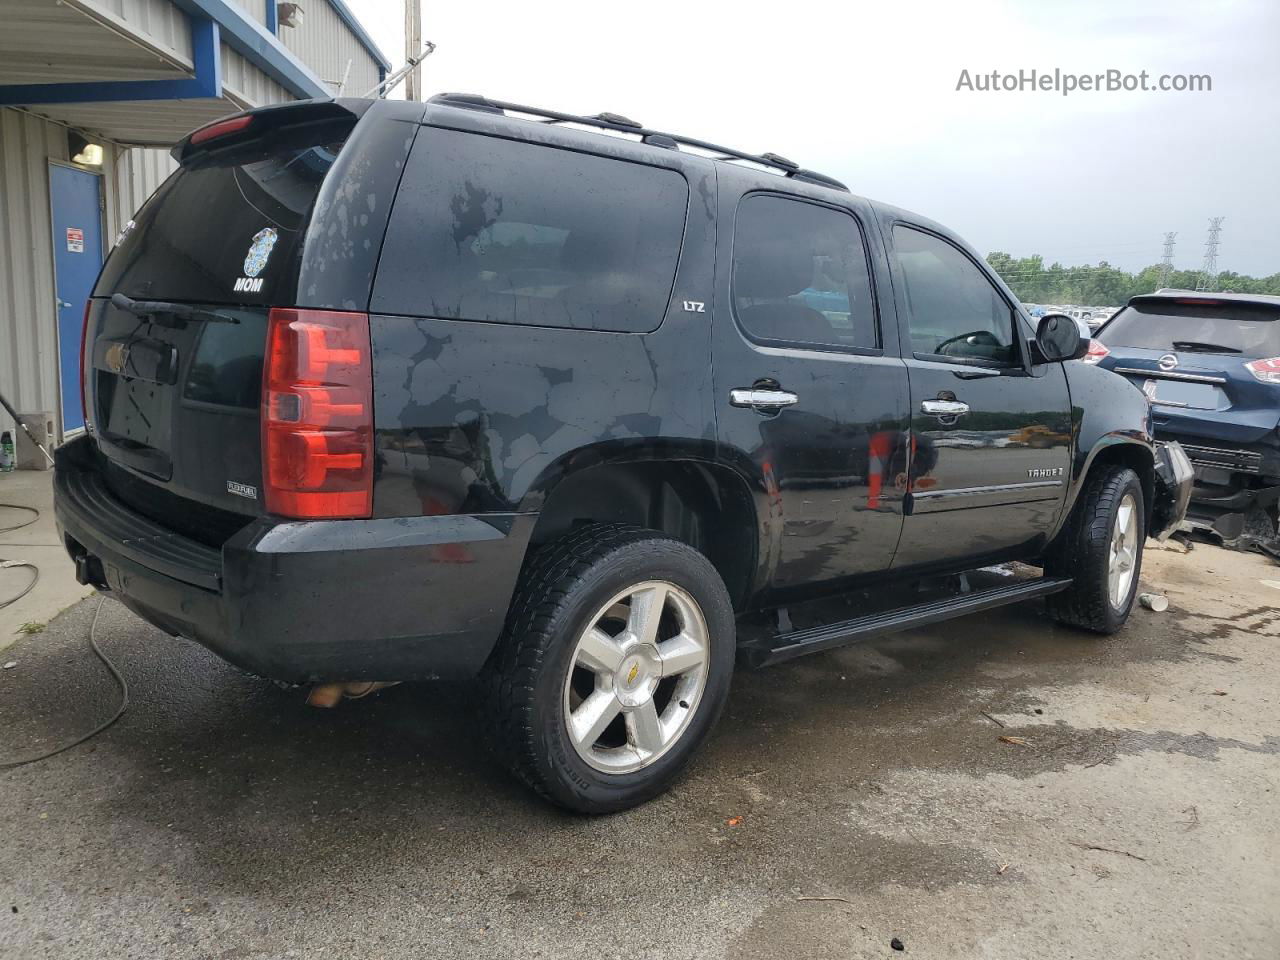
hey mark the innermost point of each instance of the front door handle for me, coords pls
(759, 398)
(944, 408)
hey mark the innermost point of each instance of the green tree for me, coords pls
(1105, 285)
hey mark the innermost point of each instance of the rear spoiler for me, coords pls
(1194, 298)
(241, 127)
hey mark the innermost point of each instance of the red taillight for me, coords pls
(1096, 352)
(220, 128)
(1267, 371)
(84, 345)
(317, 415)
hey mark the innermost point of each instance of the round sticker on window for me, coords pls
(259, 251)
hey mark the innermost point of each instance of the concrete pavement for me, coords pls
(38, 544)
(1134, 815)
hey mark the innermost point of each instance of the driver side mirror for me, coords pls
(1060, 338)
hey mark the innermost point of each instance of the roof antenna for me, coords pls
(411, 64)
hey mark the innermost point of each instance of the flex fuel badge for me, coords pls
(255, 260)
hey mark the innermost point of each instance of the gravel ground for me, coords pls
(1137, 813)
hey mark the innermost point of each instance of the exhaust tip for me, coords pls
(329, 695)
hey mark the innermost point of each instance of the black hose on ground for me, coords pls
(124, 701)
(35, 578)
(35, 515)
(93, 642)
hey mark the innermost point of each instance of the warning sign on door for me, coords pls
(75, 240)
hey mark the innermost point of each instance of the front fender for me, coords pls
(1110, 420)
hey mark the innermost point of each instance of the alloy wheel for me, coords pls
(1124, 551)
(636, 677)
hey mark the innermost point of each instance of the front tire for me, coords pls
(1101, 550)
(613, 668)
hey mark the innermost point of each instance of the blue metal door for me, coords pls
(77, 258)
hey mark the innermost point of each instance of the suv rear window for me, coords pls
(1247, 329)
(227, 220)
(508, 232)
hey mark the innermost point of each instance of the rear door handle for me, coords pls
(944, 408)
(762, 399)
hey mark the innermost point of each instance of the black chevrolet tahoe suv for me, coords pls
(383, 391)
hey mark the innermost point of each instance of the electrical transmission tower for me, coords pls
(1166, 263)
(1209, 271)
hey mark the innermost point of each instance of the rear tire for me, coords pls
(614, 665)
(1101, 550)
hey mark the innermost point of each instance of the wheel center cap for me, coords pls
(636, 678)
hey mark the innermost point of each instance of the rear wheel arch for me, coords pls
(702, 503)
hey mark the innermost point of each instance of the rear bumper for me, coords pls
(1173, 481)
(383, 599)
(1230, 480)
(1225, 515)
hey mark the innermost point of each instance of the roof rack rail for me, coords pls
(620, 124)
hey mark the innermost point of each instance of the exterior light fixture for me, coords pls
(83, 151)
(90, 156)
(289, 14)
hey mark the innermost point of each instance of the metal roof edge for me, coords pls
(257, 45)
(366, 41)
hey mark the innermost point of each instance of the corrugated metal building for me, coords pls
(92, 94)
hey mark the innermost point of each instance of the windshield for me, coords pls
(1245, 329)
(226, 227)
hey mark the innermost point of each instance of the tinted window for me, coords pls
(507, 232)
(1251, 331)
(226, 368)
(236, 214)
(800, 275)
(952, 308)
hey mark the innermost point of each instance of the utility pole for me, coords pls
(1209, 270)
(1166, 262)
(413, 47)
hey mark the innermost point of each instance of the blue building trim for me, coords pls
(344, 13)
(273, 17)
(206, 84)
(212, 22)
(243, 34)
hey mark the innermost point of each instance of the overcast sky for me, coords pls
(867, 93)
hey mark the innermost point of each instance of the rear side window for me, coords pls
(953, 310)
(508, 232)
(226, 228)
(800, 275)
(1251, 331)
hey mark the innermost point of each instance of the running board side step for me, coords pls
(797, 643)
